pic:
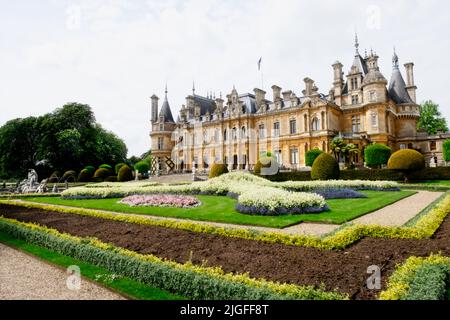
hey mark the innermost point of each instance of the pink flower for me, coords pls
(161, 200)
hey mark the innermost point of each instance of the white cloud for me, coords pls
(124, 51)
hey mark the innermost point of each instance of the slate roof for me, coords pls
(165, 111)
(397, 86)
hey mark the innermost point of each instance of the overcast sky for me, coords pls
(114, 54)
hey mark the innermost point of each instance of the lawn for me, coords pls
(221, 209)
(123, 285)
(435, 182)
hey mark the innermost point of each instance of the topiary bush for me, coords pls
(325, 167)
(106, 166)
(406, 160)
(101, 174)
(84, 176)
(90, 169)
(125, 174)
(446, 150)
(69, 176)
(118, 166)
(218, 169)
(54, 177)
(311, 155)
(377, 155)
(142, 167)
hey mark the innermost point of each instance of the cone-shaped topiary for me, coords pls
(377, 154)
(325, 167)
(218, 169)
(311, 155)
(125, 174)
(84, 176)
(406, 160)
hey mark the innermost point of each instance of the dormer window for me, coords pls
(354, 83)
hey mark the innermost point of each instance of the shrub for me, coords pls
(267, 161)
(446, 150)
(142, 167)
(311, 155)
(105, 166)
(84, 176)
(377, 155)
(90, 169)
(111, 179)
(406, 160)
(325, 167)
(125, 174)
(290, 176)
(101, 174)
(54, 177)
(69, 176)
(118, 166)
(217, 169)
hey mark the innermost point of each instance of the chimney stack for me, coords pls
(410, 85)
(276, 93)
(260, 96)
(154, 110)
(287, 95)
(309, 87)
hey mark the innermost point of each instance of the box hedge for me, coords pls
(377, 155)
(325, 167)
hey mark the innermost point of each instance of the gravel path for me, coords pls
(23, 277)
(396, 214)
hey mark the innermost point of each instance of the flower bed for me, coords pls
(333, 193)
(161, 200)
(340, 184)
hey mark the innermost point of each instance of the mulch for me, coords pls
(344, 270)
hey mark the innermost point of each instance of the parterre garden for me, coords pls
(166, 238)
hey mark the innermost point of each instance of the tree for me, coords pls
(311, 155)
(431, 119)
(337, 146)
(377, 154)
(446, 150)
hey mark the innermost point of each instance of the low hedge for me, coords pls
(424, 227)
(419, 279)
(195, 282)
(439, 173)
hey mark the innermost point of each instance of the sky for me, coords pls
(114, 54)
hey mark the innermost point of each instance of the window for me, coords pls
(278, 156)
(205, 136)
(225, 135)
(243, 133)
(433, 145)
(374, 119)
(305, 123)
(402, 146)
(160, 143)
(372, 96)
(322, 117)
(234, 134)
(217, 135)
(261, 131)
(356, 123)
(293, 126)
(315, 124)
(294, 156)
(161, 127)
(354, 83)
(276, 129)
(355, 99)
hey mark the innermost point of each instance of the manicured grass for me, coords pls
(124, 285)
(435, 182)
(221, 209)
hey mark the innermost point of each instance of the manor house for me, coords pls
(362, 107)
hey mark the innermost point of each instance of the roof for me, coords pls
(360, 63)
(397, 86)
(206, 104)
(165, 111)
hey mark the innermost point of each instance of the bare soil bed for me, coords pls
(344, 270)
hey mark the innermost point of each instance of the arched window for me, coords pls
(315, 124)
(234, 133)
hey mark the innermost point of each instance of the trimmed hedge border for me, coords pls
(28, 195)
(419, 279)
(424, 227)
(195, 282)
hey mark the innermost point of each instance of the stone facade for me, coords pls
(361, 107)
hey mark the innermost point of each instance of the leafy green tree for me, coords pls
(431, 119)
(446, 151)
(337, 146)
(377, 154)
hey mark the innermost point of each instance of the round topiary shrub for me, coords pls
(101, 174)
(311, 155)
(90, 169)
(106, 166)
(325, 167)
(69, 176)
(446, 150)
(406, 160)
(266, 165)
(84, 176)
(377, 155)
(54, 177)
(125, 174)
(218, 169)
(118, 166)
(142, 167)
